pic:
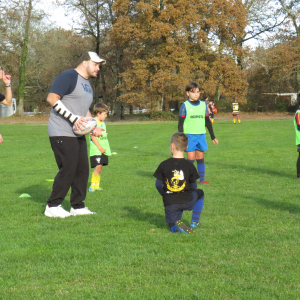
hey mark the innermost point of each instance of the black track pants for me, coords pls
(72, 160)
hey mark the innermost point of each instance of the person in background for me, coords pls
(297, 129)
(193, 118)
(5, 99)
(213, 111)
(235, 111)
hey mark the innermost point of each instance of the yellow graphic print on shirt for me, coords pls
(174, 187)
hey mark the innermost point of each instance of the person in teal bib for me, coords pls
(193, 118)
(297, 129)
(99, 147)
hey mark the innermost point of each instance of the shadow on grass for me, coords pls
(256, 170)
(38, 193)
(289, 207)
(151, 218)
(145, 173)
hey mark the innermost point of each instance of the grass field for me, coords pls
(247, 247)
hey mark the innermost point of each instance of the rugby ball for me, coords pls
(87, 127)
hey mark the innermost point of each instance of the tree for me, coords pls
(279, 62)
(51, 52)
(169, 43)
(93, 18)
(292, 10)
(24, 51)
(19, 17)
(263, 18)
(273, 70)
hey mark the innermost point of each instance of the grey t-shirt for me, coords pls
(76, 94)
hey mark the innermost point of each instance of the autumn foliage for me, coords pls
(168, 43)
(153, 48)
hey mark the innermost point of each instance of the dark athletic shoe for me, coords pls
(182, 228)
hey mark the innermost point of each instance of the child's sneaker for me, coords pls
(195, 225)
(203, 182)
(173, 229)
(92, 190)
(182, 228)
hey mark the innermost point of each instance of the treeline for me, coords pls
(153, 48)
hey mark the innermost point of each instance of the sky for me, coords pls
(57, 14)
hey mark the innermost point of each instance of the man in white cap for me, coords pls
(70, 96)
(7, 98)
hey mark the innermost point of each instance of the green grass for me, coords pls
(247, 247)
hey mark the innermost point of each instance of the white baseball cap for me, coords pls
(93, 56)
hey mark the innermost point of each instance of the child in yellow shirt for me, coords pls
(99, 147)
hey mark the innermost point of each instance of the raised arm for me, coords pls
(8, 94)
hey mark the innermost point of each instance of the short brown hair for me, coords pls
(100, 108)
(180, 140)
(192, 86)
(205, 96)
(83, 57)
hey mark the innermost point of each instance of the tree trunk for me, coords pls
(217, 94)
(104, 96)
(298, 80)
(166, 105)
(96, 86)
(240, 58)
(122, 111)
(298, 69)
(118, 77)
(24, 51)
(160, 103)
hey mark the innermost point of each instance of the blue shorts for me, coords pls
(197, 142)
(174, 212)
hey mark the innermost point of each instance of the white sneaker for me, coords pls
(56, 212)
(81, 211)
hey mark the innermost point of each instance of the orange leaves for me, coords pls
(121, 7)
(124, 31)
(159, 29)
(172, 42)
(275, 70)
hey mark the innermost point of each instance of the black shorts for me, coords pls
(99, 160)
(174, 212)
(298, 148)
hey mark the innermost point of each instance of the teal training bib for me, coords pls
(194, 122)
(103, 141)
